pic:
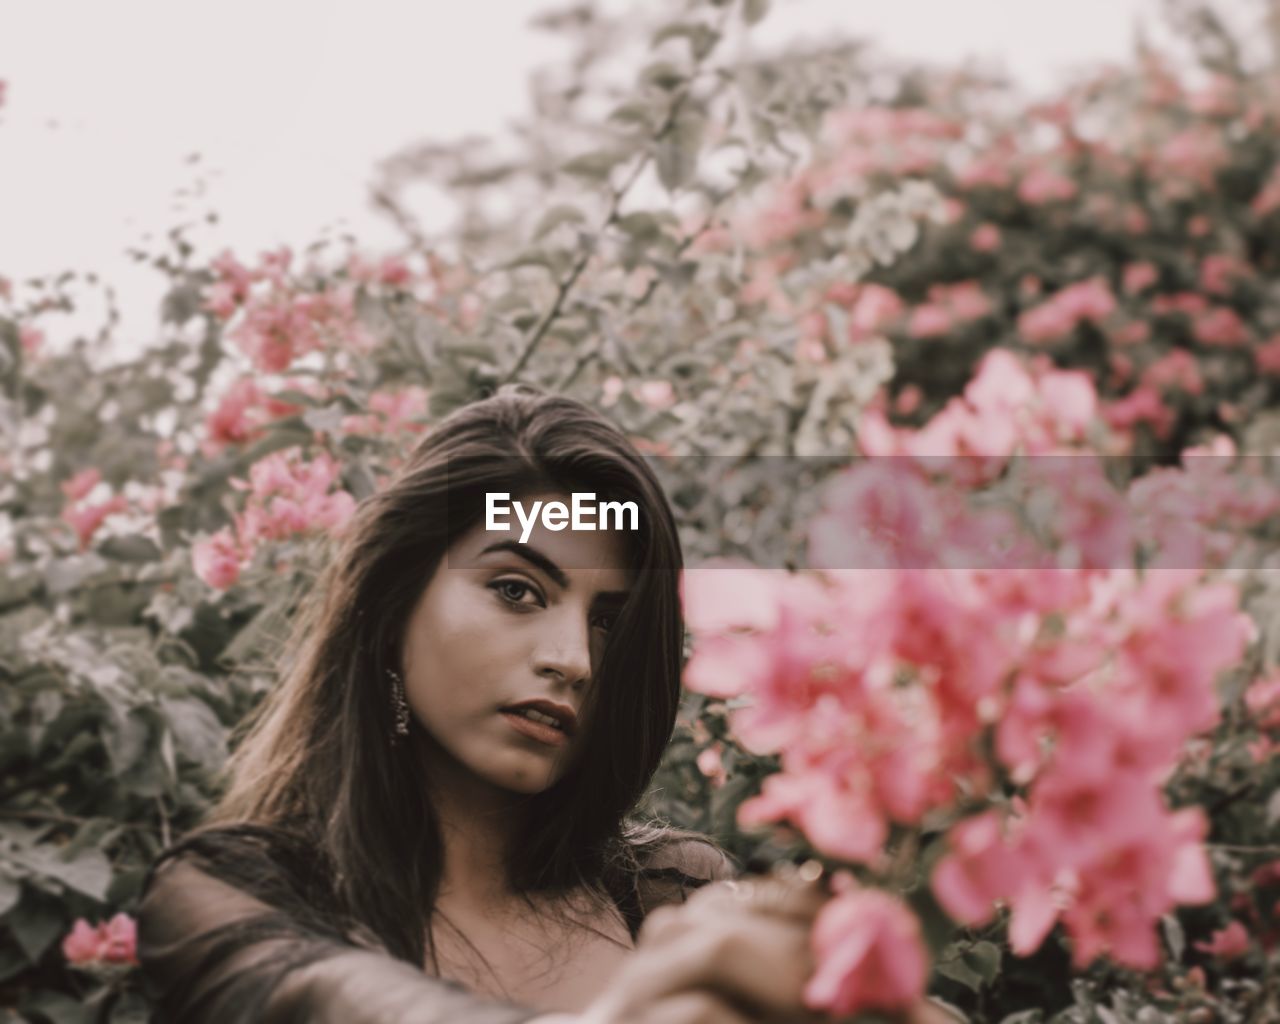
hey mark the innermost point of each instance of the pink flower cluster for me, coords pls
(1057, 317)
(1267, 201)
(390, 413)
(948, 305)
(869, 950)
(280, 320)
(1006, 408)
(896, 698)
(286, 496)
(85, 517)
(1188, 161)
(1262, 700)
(243, 412)
(285, 325)
(1044, 184)
(110, 942)
(875, 689)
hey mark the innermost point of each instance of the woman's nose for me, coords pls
(565, 651)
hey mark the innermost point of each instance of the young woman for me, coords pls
(430, 818)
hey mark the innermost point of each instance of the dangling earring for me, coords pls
(399, 707)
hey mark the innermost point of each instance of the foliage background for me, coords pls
(735, 259)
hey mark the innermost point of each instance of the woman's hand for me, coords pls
(734, 953)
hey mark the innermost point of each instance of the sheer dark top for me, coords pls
(228, 933)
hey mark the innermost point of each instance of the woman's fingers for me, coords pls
(693, 1008)
(758, 960)
(744, 944)
(929, 1012)
(794, 898)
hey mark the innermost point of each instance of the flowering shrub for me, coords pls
(1018, 684)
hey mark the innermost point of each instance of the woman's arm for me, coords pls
(210, 952)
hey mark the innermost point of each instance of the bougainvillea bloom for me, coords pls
(111, 942)
(870, 955)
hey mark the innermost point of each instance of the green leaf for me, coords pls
(984, 957)
(198, 734)
(89, 872)
(556, 216)
(971, 964)
(958, 970)
(132, 548)
(595, 165)
(10, 893)
(124, 735)
(58, 1008)
(702, 38)
(664, 75)
(676, 154)
(634, 113)
(328, 419)
(63, 575)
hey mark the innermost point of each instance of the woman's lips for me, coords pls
(539, 731)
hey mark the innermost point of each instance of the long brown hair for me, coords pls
(316, 762)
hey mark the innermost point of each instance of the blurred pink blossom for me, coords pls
(870, 954)
(110, 942)
(1228, 943)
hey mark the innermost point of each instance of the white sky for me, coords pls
(291, 102)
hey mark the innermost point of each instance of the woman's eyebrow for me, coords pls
(533, 556)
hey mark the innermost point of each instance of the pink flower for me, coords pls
(120, 940)
(872, 307)
(1142, 405)
(710, 764)
(1220, 326)
(289, 496)
(1219, 272)
(986, 237)
(86, 519)
(242, 413)
(1229, 943)
(1055, 318)
(1267, 356)
(216, 559)
(989, 171)
(1044, 185)
(656, 394)
(1139, 277)
(978, 870)
(111, 942)
(610, 388)
(30, 338)
(1268, 198)
(838, 821)
(1176, 371)
(1193, 155)
(929, 321)
(870, 955)
(1133, 333)
(82, 943)
(1262, 698)
(82, 483)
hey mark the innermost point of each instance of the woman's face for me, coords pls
(502, 624)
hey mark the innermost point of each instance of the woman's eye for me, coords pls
(605, 621)
(512, 591)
